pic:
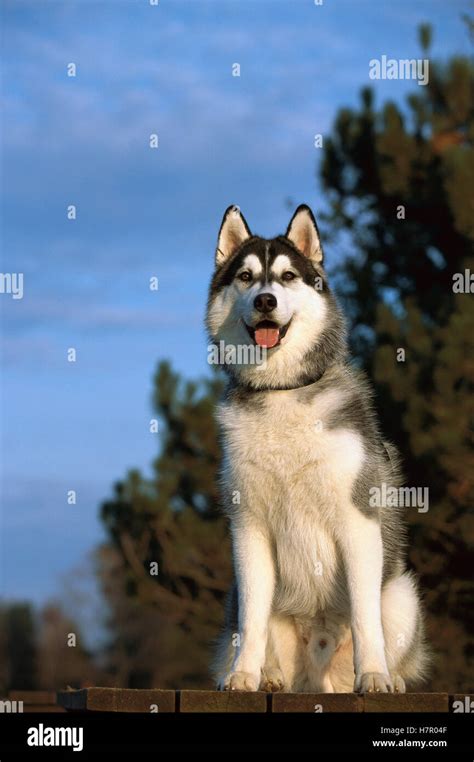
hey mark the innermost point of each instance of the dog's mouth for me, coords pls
(267, 333)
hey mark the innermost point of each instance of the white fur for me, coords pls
(361, 544)
(300, 303)
(253, 264)
(281, 264)
(294, 532)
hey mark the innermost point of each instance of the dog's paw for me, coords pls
(398, 684)
(239, 681)
(373, 682)
(272, 680)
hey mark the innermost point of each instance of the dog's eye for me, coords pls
(288, 275)
(246, 276)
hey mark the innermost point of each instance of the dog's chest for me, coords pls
(291, 442)
(293, 472)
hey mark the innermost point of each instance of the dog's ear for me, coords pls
(304, 234)
(233, 232)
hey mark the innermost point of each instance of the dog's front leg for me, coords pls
(255, 575)
(361, 543)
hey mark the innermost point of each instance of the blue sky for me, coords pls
(144, 69)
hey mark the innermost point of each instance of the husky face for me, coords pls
(273, 294)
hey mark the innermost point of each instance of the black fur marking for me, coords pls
(267, 251)
(225, 274)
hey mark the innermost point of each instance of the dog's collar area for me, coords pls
(249, 388)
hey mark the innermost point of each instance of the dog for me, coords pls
(322, 600)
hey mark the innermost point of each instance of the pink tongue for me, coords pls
(267, 337)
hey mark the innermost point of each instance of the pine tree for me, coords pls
(19, 647)
(400, 181)
(172, 555)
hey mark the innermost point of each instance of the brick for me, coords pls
(316, 702)
(406, 702)
(222, 701)
(118, 700)
(466, 704)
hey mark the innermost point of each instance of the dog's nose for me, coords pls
(265, 302)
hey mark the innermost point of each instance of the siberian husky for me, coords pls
(322, 600)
